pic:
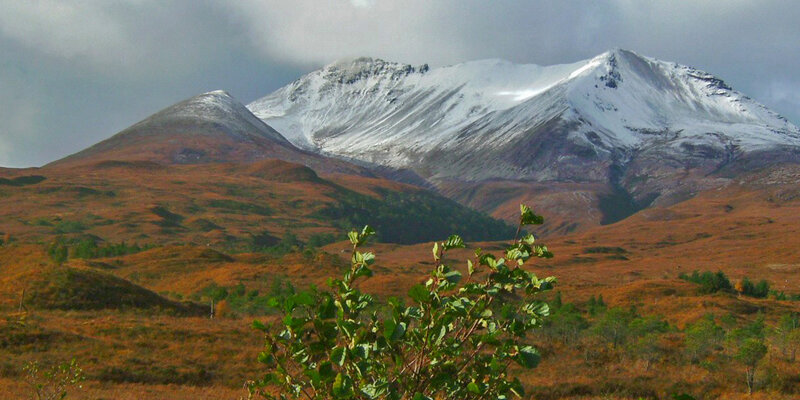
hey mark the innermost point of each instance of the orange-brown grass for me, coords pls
(148, 203)
(749, 229)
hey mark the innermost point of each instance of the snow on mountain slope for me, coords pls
(565, 122)
(351, 106)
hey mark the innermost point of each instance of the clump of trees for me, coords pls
(61, 249)
(237, 300)
(456, 337)
(709, 282)
(713, 282)
(748, 288)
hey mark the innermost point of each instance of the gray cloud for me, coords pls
(74, 72)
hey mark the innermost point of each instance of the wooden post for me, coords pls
(22, 301)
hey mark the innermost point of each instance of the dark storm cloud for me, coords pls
(73, 73)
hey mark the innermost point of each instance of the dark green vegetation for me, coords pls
(714, 282)
(62, 249)
(709, 282)
(22, 180)
(454, 340)
(239, 301)
(289, 242)
(412, 217)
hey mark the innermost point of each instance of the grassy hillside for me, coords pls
(222, 205)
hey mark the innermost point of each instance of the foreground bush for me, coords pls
(55, 382)
(457, 339)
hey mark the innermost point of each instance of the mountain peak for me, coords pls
(209, 127)
(218, 92)
(351, 70)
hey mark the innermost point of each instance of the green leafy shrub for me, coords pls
(454, 339)
(750, 352)
(53, 383)
(243, 302)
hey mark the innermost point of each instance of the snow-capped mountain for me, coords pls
(647, 131)
(434, 120)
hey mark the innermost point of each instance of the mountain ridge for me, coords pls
(370, 108)
(641, 130)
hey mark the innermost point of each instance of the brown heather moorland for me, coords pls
(138, 322)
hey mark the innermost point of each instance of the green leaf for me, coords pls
(420, 396)
(393, 330)
(362, 350)
(353, 236)
(453, 277)
(362, 271)
(376, 390)
(259, 325)
(527, 217)
(304, 298)
(326, 308)
(363, 258)
(338, 355)
(470, 268)
(517, 388)
(528, 239)
(454, 242)
(472, 387)
(435, 251)
(419, 293)
(326, 370)
(266, 358)
(528, 357)
(342, 386)
(440, 336)
(366, 232)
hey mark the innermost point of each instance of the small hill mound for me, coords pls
(47, 286)
(67, 288)
(282, 171)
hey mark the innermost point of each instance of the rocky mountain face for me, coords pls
(615, 133)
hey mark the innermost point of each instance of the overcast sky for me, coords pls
(75, 72)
